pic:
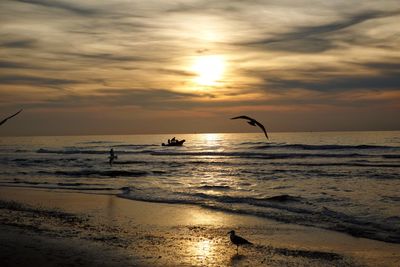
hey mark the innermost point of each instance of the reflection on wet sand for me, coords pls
(203, 248)
(236, 259)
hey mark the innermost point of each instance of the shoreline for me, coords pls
(159, 234)
(344, 229)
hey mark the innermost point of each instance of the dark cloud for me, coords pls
(176, 72)
(21, 43)
(212, 7)
(391, 67)
(316, 38)
(34, 80)
(343, 83)
(67, 6)
(147, 98)
(306, 45)
(4, 64)
(348, 22)
(106, 57)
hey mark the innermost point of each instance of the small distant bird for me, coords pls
(238, 241)
(252, 122)
(6, 119)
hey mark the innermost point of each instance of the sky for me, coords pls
(81, 67)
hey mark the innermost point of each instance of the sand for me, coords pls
(58, 228)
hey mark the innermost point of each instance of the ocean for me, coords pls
(342, 181)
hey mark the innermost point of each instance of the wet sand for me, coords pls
(58, 228)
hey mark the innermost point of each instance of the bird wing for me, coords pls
(3, 121)
(253, 121)
(262, 127)
(242, 117)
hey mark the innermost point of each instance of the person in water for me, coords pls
(112, 156)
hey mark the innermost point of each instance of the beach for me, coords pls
(59, 228)
(200, 133)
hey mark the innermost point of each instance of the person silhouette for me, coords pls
(112, 156)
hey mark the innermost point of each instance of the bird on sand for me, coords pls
(238, 241)
(252, 122)
(3, 121)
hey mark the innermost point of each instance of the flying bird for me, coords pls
(3, 121)
(252, 122)
(238, 241)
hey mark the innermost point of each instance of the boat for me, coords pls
(176, 143)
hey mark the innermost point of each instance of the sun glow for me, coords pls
(209, 70)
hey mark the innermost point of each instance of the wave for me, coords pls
(77, 184)
(72, 151)
(129, 162)
(262, 155)
(96, 173)
(326, 147)
(100, 142)
(253, 143)
(391, 156)
(47, 160)
(214, 187)
(284, 208)
(87, 151)
(339, 164)
(136, 145)
(21, 151)
(391, 198)
(210, 153)
(45, 185)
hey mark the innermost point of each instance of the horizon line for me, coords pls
(326, 131)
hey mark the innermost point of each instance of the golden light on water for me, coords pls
(209, 69)
(211, 137)
(203, 248)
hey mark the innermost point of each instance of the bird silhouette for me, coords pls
(252, 122)
(238, 241)
(6, 119)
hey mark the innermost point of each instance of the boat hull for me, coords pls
(178, 143)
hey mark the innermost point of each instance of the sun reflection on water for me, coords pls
(211, 137)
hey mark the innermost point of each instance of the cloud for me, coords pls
(4, 64)
(106, 57)
(176, 72)
(21, 43)
(146, 98)
(381, 82)
(67, 6)
(34, 80)
(383, 67)
(315, 38)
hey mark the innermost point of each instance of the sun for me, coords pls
(209, 69)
